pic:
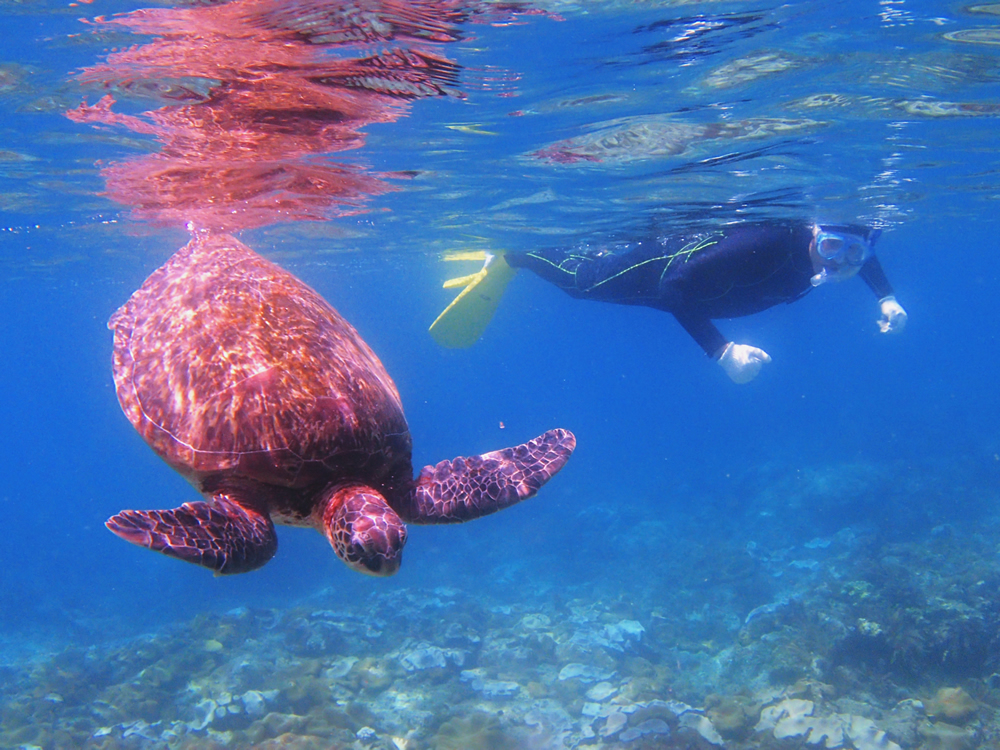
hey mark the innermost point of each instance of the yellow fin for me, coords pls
(464, 320)
(464, 280)
(479, 255)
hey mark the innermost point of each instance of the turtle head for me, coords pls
(365, 532)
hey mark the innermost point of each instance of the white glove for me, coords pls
(893, 318)
(742, 362)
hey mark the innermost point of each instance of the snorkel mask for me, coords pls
(840, 252)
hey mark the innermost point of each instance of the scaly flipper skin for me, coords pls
(222, 535)
(466, 488)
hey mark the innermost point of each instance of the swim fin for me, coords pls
(464, 320)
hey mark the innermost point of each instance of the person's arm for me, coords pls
(704, 332)
(740, 361)
(875, 278)
(893, 317)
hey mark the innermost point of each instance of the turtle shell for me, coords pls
(230, 367)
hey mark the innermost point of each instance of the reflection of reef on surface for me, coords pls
(259, 94)
(634, 139)
(858, 638)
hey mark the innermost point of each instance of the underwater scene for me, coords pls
(289, 285)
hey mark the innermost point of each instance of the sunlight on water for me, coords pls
(808, 559)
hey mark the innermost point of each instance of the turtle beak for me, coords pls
(376, 549)
(378, 565)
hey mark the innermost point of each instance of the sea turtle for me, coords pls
(246, 382)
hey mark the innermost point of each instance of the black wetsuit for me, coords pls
(724, 273)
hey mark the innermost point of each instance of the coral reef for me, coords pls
(951, 704)
(773, 639)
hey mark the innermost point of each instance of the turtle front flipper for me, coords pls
(466, 488)
(222, 535)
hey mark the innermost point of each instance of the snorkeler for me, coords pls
(728, 272)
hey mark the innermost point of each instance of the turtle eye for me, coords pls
(373, 559)
(376, 548)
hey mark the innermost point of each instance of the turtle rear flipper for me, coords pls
(466, 488)
(222, 535)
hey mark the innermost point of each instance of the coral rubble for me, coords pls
(854, 639)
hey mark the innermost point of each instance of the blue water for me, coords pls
(672, 456)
